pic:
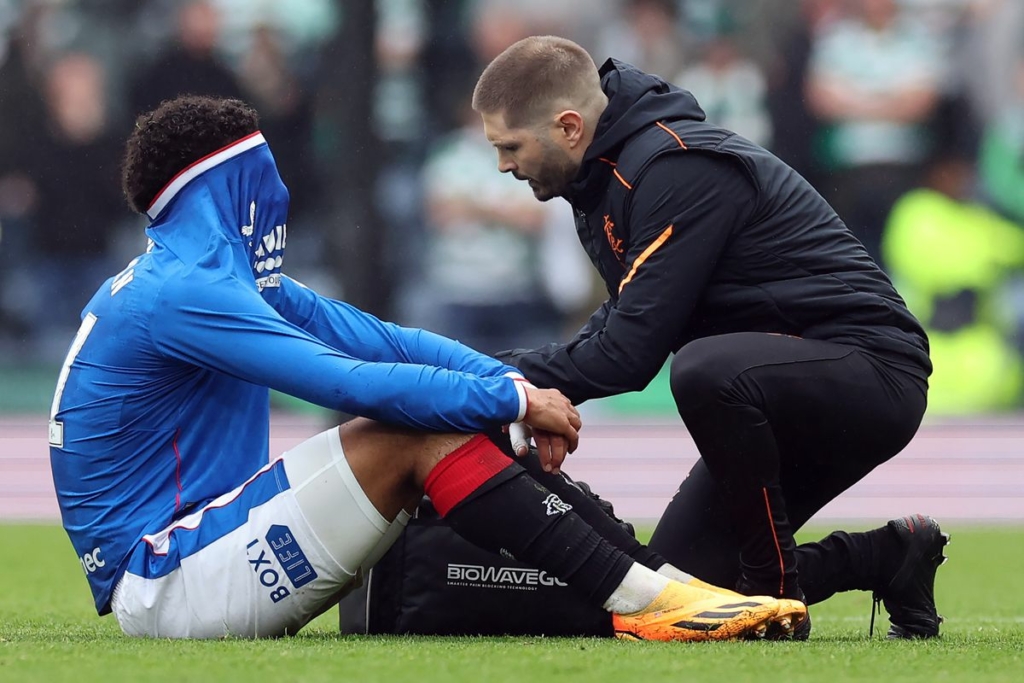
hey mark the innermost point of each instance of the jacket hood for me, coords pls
(635, 100)
(228, 212)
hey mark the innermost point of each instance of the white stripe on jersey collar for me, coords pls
(189, 173)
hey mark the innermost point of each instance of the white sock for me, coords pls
(638, 589)
(675, 574)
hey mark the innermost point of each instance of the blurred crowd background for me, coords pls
(908, 115)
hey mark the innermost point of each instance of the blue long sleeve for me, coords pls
(240, 334)
(361, 335)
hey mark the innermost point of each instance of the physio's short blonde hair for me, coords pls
(531, 77)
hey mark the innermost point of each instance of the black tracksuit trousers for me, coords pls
(783, 426)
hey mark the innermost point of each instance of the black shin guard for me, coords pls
(583, 504)
(520, 517)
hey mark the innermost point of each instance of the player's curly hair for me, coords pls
(176, 134)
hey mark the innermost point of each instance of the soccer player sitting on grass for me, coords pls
(159, 427)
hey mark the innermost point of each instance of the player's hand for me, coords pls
(555, 423)
(551, 449)
(520, 434)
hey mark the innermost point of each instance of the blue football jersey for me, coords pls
(163, 400)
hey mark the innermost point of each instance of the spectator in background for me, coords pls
(793, 26)
(582, 19)
(189, 64)
(647, 34)
(554, 274)
(271, 85)
(484, 241)
(951, 258)
(1002, 154)
(874, 83)
(401, 126)
(731, 87)
(21, 106)
(74, 169)
(22, 116)
(994, 45)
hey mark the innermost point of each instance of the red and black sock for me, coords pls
(492, 502)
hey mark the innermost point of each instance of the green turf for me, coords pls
(49, 632)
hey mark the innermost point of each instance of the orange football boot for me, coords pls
(689, 614)
(787, 623)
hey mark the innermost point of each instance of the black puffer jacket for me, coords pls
(697, 232)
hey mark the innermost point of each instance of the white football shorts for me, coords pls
(259, 561)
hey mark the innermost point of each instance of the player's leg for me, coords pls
(308, 523)
(265, 558)
(491, 501)
(584, 503)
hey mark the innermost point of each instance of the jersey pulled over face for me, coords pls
(249, 193)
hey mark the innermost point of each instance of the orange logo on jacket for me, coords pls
(614, 242)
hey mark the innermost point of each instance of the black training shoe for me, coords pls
(910, 596)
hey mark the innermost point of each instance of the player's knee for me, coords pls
(432, 450)
(383, 451)
(408, 454)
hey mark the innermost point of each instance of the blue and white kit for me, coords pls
(159, 428)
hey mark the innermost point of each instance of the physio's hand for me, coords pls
(555, 423)
(551, 450)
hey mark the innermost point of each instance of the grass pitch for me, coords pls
(49, 632)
